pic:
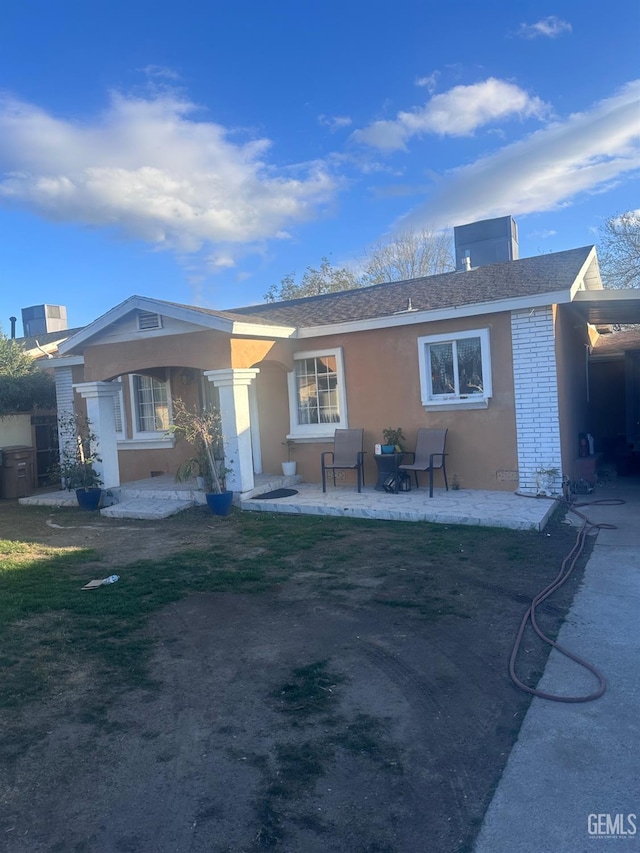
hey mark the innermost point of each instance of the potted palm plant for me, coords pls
(76, 469)
(203, 430)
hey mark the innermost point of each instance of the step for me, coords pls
(146, 508)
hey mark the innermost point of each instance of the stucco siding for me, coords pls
(383, 390)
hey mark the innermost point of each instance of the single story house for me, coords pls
(497, 352)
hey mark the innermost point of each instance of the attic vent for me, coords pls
(148, 320)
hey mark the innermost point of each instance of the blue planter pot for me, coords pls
(89, 498)
(220, 504)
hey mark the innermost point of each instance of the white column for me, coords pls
(65, 408)
(233, 387)
(536, 397)
(100, 397)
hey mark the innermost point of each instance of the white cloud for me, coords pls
(545, 171)
(458, 112)
(334, 122)
(161, 71)
(550, 27)
(150, 170)
(429, 82)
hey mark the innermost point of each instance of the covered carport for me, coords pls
(614, 375)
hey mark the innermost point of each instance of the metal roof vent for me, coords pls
(149, 320)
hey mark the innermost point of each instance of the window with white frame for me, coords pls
(455, 369)
(317, 398)
(150, 405)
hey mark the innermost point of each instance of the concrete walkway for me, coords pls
(576, 761)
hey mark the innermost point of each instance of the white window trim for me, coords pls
(319, 432)
(150, 438)
(442, 402)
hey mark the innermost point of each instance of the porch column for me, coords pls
(233, 387)
(100, 397)
(65, 407)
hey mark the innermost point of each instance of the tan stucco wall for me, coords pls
(200, 350)
(573, 407)
(383, 390)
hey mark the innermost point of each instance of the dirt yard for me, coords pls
(359, 702)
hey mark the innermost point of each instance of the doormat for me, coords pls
(278, 493)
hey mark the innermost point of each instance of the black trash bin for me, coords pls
(17, 471)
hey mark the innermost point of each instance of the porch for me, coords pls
(159, 497)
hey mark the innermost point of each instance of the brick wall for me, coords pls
(536, 395)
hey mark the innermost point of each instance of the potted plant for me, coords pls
(546, 481)
(77, 459)
(289, 467)
(392, 440)
(203, 429)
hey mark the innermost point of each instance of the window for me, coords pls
(151, 412)
(455, 370)
(317, 397)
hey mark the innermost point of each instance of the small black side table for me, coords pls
(387, 463)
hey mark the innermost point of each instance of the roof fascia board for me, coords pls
(187, 315)
(583, 280)
(65, 361)
(607, 295)
(256, 330)
(450, 313)
(143, 303)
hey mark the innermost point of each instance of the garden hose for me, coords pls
(568, 565)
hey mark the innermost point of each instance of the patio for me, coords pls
(159, 497)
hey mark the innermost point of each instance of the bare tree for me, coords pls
(412, 254)
(619, 250)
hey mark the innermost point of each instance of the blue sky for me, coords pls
(200, 151)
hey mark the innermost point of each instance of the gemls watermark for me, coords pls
(605, 825)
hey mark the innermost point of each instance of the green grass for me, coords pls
(49, 625)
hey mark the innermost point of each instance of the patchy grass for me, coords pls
(47, 622)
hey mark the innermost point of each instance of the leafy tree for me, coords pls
(23, 387)
(314, 282)
(619, 250)
(14, 361)
(410, 255)
(413, 254)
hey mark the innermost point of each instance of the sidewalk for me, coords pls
(576, 760)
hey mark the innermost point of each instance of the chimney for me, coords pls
(488, 242)
(13, 321)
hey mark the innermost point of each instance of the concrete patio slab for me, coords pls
(463, 506)
(483, 508)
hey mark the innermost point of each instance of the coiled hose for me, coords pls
(568, 565)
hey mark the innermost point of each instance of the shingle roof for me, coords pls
(526, 277)
(47, 338)
(618, 342)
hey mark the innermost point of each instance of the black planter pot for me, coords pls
(220, 504)
(89, 498)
